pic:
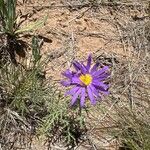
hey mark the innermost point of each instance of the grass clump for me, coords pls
(31, 106)
(22, 100)
(62, 125)
(9, 16)
(11, 30)
(132, 110)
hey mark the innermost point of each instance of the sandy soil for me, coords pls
(73, 30)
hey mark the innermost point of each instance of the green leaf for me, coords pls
(8, 15)
(11, 8)
(35, 49)
(33, 26)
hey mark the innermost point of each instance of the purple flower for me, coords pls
(87, 81)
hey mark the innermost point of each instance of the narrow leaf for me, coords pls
(32, 26)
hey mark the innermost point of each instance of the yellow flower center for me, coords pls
(86, 79)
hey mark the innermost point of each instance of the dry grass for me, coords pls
(32, 104)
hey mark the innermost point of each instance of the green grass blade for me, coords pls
(32, 26)
(35, 50)
(3, 12)
(11, 8)
(8, 15)
(3, 8)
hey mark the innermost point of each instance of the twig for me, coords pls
(116, 101)
(110, 4)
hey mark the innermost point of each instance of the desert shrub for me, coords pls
(21, 97)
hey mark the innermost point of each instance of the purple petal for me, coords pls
(65, 83)
(89, 62)
(85, 70)
(101, 84)
(82, 97)
(75, 80)
(101, 71)
(105, 92)
(92, 99)
(94, 90)
(94, 68)
(101, 77)
(72, 91)
(68, 73)
(78, 66)
(75, 96)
